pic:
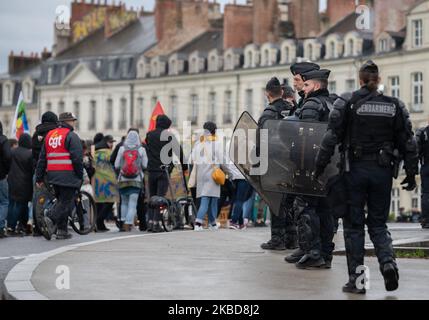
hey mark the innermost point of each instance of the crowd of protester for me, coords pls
(134, 160)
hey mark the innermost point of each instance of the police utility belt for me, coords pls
(383, 157)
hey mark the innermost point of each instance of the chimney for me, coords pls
(338, 9)
(166, 18)
(265, 21)
(304, 15)
(238, 26)
(390, 15)
(18, 63)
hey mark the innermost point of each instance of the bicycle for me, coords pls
(82, 218)
(175, 213)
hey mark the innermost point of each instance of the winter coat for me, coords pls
(132, 142)
(204, 154)
(72, 179)
(20, 176)
(39, 138)
(154, 145)
(5, 154)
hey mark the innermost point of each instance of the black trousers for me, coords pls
(65, 203)
(369, 184)
(283, 223)
(158, 186)
(424, 175)
(103, 211)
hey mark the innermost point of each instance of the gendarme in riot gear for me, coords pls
(422, 137)
(374, 133)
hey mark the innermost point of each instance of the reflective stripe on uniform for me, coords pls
(59, 162)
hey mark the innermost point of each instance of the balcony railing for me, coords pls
(416, 108)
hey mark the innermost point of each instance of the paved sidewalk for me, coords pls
(203, 265)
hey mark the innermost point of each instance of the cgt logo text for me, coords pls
(55, 141)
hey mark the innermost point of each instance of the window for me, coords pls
(394, 87)
(8, 94)
(249, 100)
(125, 68)
(351, 85)
(142, 72)
(98, 65)
(287, 54)
(213, 64)
(212, 107)
(92, 125)
(61, 107)
(383, 44)
(351, 47)
(123, 115)
(395, 203)
(250, 59)
(227, 118)
(112, 68)
(48, 106)
(310, 51)
(417, 33)
(267, 58)
(265, 101)
(140, 112)
(28, 92)
(109, 114)
(76, 111)
(417, 91)
(332, 49)
(229, 63)
(173, 110)
(50, 72)
(332, 86)
(194, 109)
(154, 100)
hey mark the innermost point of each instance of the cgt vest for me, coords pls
(58, 157)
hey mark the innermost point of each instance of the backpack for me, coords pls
(131, 160)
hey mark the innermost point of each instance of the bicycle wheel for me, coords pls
(168, 217)
(84, 215)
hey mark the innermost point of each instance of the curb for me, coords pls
(18, 281)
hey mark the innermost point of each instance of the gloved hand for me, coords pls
(410, 182)
(318, 172)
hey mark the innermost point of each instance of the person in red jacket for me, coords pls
(61, 160)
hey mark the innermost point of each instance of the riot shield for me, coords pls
(292, 150)
(242, 147)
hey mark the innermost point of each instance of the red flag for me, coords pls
(156, 112)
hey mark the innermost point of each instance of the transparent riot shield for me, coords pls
(243, 154)
(292, 150)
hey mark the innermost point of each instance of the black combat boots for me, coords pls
(391, 276)
(310, 260)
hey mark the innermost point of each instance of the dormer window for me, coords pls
(269, 54)
(215, 60)
(158, 66)
(417, 26)
(50, 73)
(383, 45)
(288, 52)
(8, 88)
(28, 92)
(251, 56)
(351, 47)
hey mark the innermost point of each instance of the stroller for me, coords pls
(175, 213)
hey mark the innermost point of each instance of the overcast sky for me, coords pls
(27, 25)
